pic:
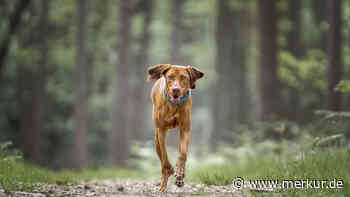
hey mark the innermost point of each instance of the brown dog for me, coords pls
(172, 102)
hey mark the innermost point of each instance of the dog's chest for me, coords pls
(165, 115)
(173, 121)
(169, 117)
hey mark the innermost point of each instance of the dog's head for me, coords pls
(178, 79)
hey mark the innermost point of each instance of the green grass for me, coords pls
(323, 164)
(319, 165)
(102, 173)
(15, 175)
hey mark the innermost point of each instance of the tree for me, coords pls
(269, 84)
(223, 62)
(120, 113)
(142, 60)
(335, 66)
(320, 12)
(32, 89)
(14, 23)
(30, 136)
(177, 12)
(81, 86)
(240, 42)
(295, 48)
(230, 102)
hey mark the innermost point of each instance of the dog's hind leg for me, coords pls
(157, 146)
(167, 169)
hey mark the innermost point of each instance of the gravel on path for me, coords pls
(130, 187)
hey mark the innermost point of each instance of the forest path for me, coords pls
(131, 187)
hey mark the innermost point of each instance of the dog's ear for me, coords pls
(194, 75)
(156, 72)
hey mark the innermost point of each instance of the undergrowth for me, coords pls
(17, 175)
(313, 165)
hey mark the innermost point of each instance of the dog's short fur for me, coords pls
(176, 81)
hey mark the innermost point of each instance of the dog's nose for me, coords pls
(176, 90)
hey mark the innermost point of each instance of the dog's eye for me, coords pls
(183, 77)
(171, 78)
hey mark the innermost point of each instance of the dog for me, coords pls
(172, 104)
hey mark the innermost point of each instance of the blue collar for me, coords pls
(188, 93)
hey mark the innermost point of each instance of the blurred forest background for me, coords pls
(72, 75)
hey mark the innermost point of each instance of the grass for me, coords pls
(102, 173)
(314, 165)
(15, 175)
(321, 164)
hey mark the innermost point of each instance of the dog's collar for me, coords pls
(188, 93)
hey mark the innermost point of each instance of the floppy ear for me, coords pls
(194, 75)
(156, 72)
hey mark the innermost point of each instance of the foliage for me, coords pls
(306, 74)
(7, 154)
(319, 157)
(332, 114)
(331, 123)
(330, 141)
(19, 176)
(343, 86)
(312, 165)
(16, 175)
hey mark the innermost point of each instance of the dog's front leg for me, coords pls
(184, 139)
(167, 169)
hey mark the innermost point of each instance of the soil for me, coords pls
(130, 187)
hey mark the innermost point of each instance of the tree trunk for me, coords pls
(14, 23)
(41, 79)
(32, 91)
(295, 48)
(141, 65)
(230, 101)
(241, 43)
(143, 56)
(335, 66)
(269, 83)
(28, 114)
(120, 138)
(320, 13)
(177, 30)
(81, 87)
(223, 88)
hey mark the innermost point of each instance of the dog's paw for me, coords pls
(163, 188)
(179, 182)
(179, 172)
(179, 176)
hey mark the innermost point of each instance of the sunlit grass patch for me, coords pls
(102, 173)
(313, 165)
(224, 174)
(18, 176)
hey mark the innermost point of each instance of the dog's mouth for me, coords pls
(175, 99)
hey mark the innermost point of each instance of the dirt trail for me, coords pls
(130, 187)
